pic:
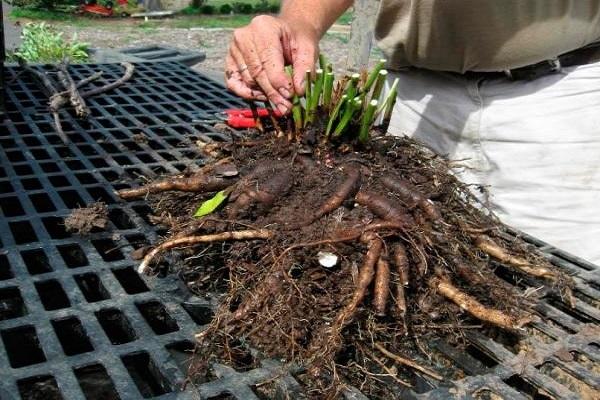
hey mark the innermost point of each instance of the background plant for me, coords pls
(43, 44)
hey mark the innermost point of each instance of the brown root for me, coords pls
(469, 304)
(381, 291)
(365, 277)
(400, 259)
(197, 183)
(348, 188)
(265, 193)
(407, 191)
(491, 248)
(263, 234)
(383, 207)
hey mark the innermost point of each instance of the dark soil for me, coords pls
(83, 220)
(278, 301)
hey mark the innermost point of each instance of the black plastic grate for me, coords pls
(76, 321)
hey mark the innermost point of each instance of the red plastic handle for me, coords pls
(239, 122)
(247, 112)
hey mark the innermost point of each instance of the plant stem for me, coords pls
(296, 106)
(315, 97)
(307, 95)
(352, 106)
(334, 114)
(391, 101)
(322, 61)
(328, 89)
(367, 121)
(381, 77)
(373, 75)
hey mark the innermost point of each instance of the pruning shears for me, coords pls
(239, 118)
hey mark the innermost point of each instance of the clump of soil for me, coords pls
(83, 220)
(414, 256)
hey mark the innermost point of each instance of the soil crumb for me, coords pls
(83, 220)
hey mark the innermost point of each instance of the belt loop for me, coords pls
(508, 74)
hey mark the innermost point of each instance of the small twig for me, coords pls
(78, 103)
(129, 68)
(408, 363)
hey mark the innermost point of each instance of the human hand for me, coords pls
(258, 52)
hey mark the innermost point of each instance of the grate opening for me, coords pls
(22, 346)
(23, 170)
(148, 379)
(31, 184)
(11, 303)
(573, 312)
(55, 227)
(181, 352)
(42, 203)
(38, 388)
(486, 394)
(91, 286)
(22, 232)
(73, 255)
(116, 326)
(100, 194)
(201, 314)
(36, 261)
(157, 316)
(49, 167)
(5, 271)
(481, 356)
(143, 211)
(6, 187)
(75, 165)
(72, 336)
(108, 250)
(120, 219)
(71, 199)
(59, 181)
(585, 391)
(523, 386)
(85, 178)
(587, 299)
(52, 295)
(130, 280)
(11, 207)
(586, 362)
(96, 383)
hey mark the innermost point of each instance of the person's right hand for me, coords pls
(258, 53)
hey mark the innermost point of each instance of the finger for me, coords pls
(271, 55)
(257, 71)
(235, 83)
(242, 66)
(304, 55)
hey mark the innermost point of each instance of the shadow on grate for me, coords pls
(77, 321)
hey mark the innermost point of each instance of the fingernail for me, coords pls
(285, 93)
(282, 108)
(261, 97)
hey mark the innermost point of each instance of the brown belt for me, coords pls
(584, 55)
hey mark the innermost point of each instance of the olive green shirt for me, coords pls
(483, 35)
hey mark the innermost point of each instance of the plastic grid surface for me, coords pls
(56, 288)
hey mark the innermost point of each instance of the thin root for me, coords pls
(263, 234)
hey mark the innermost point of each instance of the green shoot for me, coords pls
(328, 89)
(296, 106)
(351, 107)
(367, 121)
(373, 75)
(381, 78)
(334, 115)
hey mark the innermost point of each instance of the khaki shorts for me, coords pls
(534, 144)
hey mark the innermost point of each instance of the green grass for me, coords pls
(46, 15)
(210, 21)
(345, 18)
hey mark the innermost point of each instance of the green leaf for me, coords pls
(211, 204)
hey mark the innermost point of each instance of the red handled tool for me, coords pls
(239, 118)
